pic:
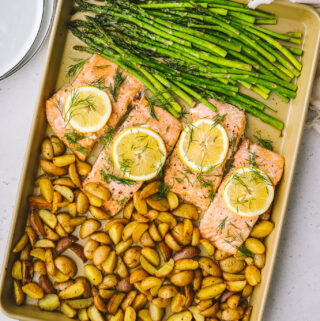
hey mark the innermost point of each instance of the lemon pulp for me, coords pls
(203, 145)
(139, 153)
(87, 109)
(248, 192)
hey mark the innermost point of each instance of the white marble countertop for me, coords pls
(295, 289)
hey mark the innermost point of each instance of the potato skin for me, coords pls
(188, 252)
(46, 284)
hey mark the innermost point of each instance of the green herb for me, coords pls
(151, 106)
(110, 177)
(204, 184)
(222, 225)
(117, 82)
(232, 143)
(106, 139)
(99, 83)
(163, 190)
(122, 201)
(266, 143)
(218, 119)
(83, 150)
(252, 159)
(77, 104)
(73, 137)
(72, 70)
(102, 66)
(244, 251)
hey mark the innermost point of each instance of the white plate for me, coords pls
(23, 27)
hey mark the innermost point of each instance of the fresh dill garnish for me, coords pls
(222, 224)
(122, 201)
(252, 159)
(163, 190)
(151, 106)
(190, 137)
(218, 119)
(102, 66)
(72, 70)
(266, 143)
(106, 139)
(77, 104)
(83, 150)
(110, 177)
(73, 137)
(244, 251)
(117, 82)
(99, 83)
(205, 184)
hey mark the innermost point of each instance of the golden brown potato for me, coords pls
(46, 189)
(19, 296)
(52, 169)
(58, 146)
(186, 211)
(33, 290)
(50, 302)
(89, 227)
(155, 312)
(150, 189)
(262, 229)
(172, 243)
(66, 265)
(121, 268)
(47, 149)
(158, 203)
(128, 210)
(16, 271)
(211, 292)
(173, 200)
(115, 232)
(64, 243)
(232, 265)
(255, 246)
(67, 310)
(186, 264)
(98, 190)
(124, 285)
(182, 316)
(236, 286)
(115, 302)
(98, 213)
(209, 266)
(36, 223)
(165, 270)
(253, 275)
(132, 257)
(64, 160)
(182, 278)
(181, 235)
(110, 263)
(151, 255)
(100, 254)
(89, 248)
(259, 260)
(93, 274)
(139, 203)
(167, 291)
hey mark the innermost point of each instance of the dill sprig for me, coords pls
(117, 82)
(83, 150)
(218, 119)
(110, 177)
(102, 66)
(77, 104)
(244, 251)
(73, 137)
(99, 83)
(163, 190)
(252, 159)
(151, 106)
(106, 139)
(222, 224)
(72, 70)
(266, 143)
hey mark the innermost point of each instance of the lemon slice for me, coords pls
(87, 109)
(139, 153)
(248, 192)
(203, 145)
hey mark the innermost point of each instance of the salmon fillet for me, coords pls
(104, 171)
(99, 72)
(199, 188)
(226, 230)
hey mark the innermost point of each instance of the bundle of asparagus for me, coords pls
(194, 49)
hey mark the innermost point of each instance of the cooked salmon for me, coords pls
(226, 230)
(104, 171)
(199, 188)
(97, 72)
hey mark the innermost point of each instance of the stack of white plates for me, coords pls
(23, 27)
